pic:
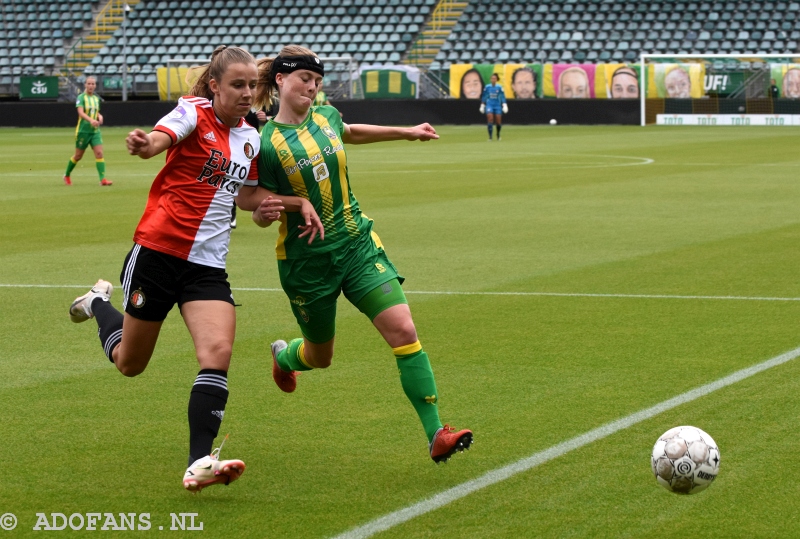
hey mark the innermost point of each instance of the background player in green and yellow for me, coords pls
(87, 132)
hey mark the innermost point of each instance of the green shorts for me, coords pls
(313, 284)
(84, 139)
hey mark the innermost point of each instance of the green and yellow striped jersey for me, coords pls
(309, 161)
(91, 106)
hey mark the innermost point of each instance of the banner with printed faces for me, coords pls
(787, 78)
(573, 81)
(676, 81)
(519, 81)
(621, 81)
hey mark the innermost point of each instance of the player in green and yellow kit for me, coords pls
(302, 161)
(87, 132)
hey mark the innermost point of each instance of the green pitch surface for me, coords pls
(561, 280)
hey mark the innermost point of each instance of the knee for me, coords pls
(130, 370)
(216, 356)
(405, 332)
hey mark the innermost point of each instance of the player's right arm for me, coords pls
(267, 207)
(85, 117)
(147, 145)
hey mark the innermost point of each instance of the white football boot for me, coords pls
(81, 308)
(209, 470)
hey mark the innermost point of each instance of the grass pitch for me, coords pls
(636, 232)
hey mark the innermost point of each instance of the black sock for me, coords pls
(109, 325)
(206, 409)
(498, 130)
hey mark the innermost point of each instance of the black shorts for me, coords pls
(153, 282)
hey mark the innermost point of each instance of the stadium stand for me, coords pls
(369, 31)
(577, 31)
(85, 37)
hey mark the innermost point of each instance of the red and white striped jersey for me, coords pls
(188, 212)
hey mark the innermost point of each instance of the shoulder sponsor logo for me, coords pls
(210, 136)
(177, 112)
(249, 151)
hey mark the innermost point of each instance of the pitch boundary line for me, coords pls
(464, 293)
(457, 492)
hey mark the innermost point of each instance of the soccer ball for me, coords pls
(685, 460)
(553, 121)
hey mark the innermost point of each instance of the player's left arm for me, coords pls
(503, 101)
(100, 118)
(365, 133)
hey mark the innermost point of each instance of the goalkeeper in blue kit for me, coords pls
(493, 103)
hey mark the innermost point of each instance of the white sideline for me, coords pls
(457, 293)
(495, 476)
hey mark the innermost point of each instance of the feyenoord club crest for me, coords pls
(138, 299)
(249, 151)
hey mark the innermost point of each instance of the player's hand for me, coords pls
(100, 119)
(270, 209)
(423, 132)
(94, 123)
(313, 225)
(137, 142)
(483, 108)
(505, 108)
(261, 115)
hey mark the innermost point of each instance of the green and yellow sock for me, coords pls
(101, 168)
(70, 166)
(416, 377)
(292, 358)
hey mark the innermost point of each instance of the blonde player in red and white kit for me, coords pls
(180, 247)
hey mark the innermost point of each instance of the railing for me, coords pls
(432, 86)
(76, 54)
(106, 22)
(756, 84)
(440, 13)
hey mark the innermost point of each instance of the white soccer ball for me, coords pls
(685, 460)
(553, 121)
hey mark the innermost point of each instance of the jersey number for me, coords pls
(321, 172)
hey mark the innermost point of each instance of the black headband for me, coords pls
(289, 64)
